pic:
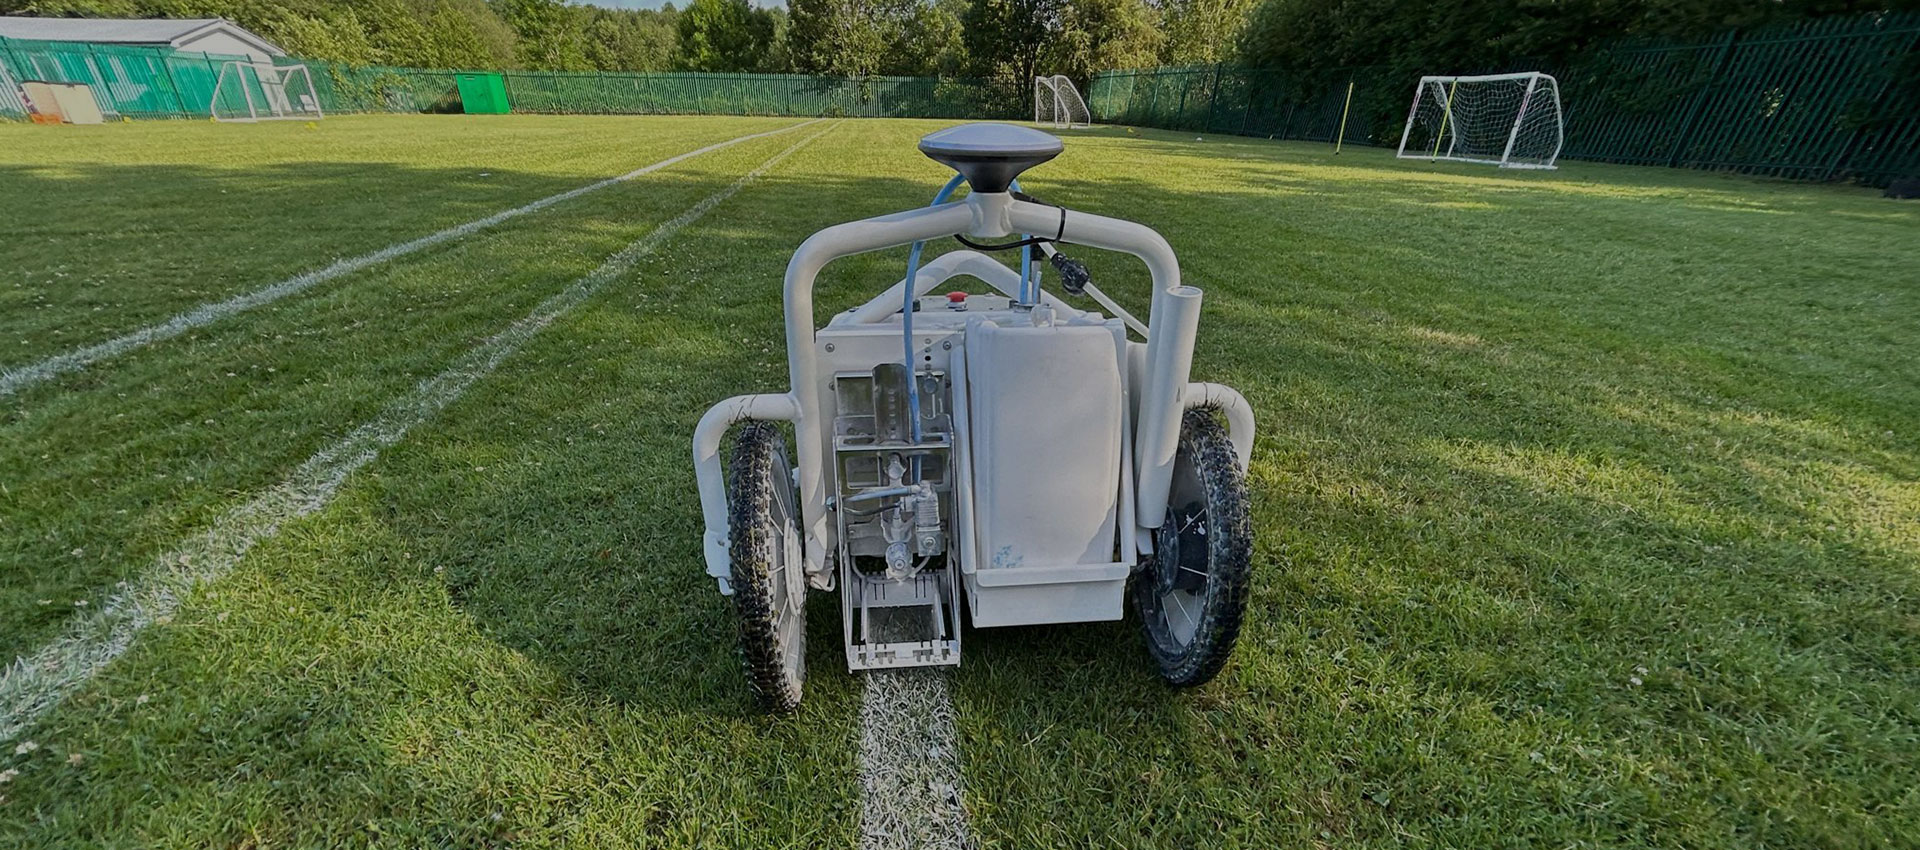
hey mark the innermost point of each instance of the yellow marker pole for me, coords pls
(1343, 120)
(1444, 117)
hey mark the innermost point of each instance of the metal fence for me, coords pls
(1823, 99)
(761, 94)
(140, 82)
(131, 82)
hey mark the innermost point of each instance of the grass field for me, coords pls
(1586, 501)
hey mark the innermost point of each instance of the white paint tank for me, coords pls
(1046, 447)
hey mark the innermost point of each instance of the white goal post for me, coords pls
(263, 91)
(1509, 120)
(1057, 102)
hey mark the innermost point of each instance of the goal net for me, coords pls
(1057, 102)
(1509, 120)
(261, 91)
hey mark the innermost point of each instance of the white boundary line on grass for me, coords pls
(910, 763)
(14, 380)
(34, 684)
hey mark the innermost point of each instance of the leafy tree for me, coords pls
(631, 40)
(1202, 32)
(928, 41)
(858, 38)
(550, 37)
(724, 35)
(840, 38)
(1466, 35)
(1103, 35)
(1006, 38)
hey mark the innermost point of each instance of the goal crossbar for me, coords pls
(1509, 120)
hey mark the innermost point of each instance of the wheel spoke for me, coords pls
(1193, 622)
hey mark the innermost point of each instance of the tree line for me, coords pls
(1005, 40)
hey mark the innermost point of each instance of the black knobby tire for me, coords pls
(1209, 500)
(761, 516)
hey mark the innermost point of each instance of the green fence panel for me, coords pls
(482, 93)
(132, 82)
(1821, 99)
(157, 83)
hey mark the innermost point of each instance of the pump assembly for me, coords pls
(992, 448)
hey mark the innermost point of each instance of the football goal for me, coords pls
(1509, 120)
(262, 91)
(1057, 102)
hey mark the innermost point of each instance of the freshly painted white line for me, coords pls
(910, 763)
(36, 683)
(14, 380)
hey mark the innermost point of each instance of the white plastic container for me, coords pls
(1046, 412)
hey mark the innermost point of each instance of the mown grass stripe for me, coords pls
(35, 684)
(14, 380)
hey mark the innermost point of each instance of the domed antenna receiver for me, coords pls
(990, 156)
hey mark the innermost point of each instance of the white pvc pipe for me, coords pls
(778, 407)
(1157, 440)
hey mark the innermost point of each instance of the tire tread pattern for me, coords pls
(750, 502)
(1203, 440)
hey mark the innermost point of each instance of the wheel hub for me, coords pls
(1180, 550)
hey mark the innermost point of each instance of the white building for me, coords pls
(201, 35)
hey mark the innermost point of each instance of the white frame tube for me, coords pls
(1519, 117)
(1156, 441)
(1234, 406)
(774, 407)
(947, 267)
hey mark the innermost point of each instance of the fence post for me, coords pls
(1153, 103)
(1247, 116)
(1700, 98)
(1213, 99)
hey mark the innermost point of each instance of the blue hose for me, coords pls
(1026, 266)
(1029, 294)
